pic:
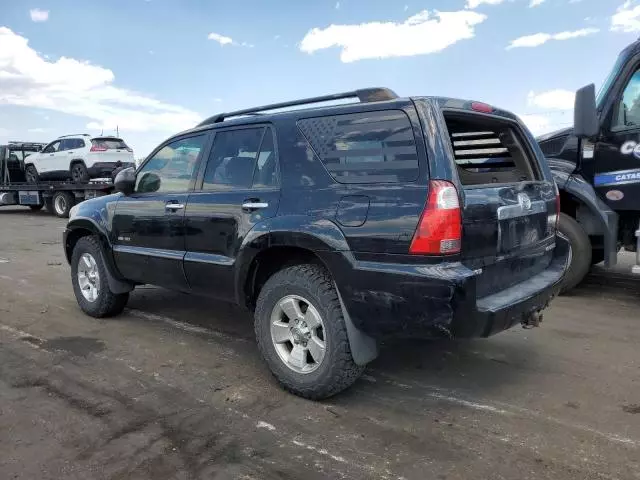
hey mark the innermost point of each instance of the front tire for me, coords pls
(580, 252)
(31, 174)
(89, 279)
(302, 334)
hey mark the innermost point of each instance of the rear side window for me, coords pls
(372, 147)
(241, 159)
(72, 143)
(109, 143)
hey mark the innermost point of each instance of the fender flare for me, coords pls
(606, 219)
(320, 236)
(116, 283)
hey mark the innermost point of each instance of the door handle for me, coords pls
(70, 153)
(173, 206)
(252, 205)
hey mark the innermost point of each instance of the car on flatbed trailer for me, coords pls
(56, 197)
(338, 226)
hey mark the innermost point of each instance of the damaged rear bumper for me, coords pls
(436, 300)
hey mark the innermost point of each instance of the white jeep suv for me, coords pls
(78, 157)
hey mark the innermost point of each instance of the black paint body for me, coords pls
(361, 232)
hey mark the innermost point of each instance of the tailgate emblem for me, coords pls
(524, 201)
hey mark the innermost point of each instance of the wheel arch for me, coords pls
(83, 227)
(579, 200)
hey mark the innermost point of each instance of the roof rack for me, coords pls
(17, 143)
(75, 135)
(365, 95)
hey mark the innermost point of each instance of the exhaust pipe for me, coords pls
(532, 320)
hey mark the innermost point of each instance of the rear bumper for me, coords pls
(105, 169)
(436, 300)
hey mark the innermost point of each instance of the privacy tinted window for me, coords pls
(372, 147)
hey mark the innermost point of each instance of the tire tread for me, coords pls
(344, 370)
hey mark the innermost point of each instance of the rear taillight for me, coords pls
(97, 148)
(440, 228)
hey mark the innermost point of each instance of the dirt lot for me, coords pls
(175, 388)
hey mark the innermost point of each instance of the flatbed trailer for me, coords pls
(56, 197)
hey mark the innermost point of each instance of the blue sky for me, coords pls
(156, 67)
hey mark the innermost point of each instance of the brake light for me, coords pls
(97, 148)
(481, 107)
(440, 228)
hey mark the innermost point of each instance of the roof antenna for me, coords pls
(117, 131)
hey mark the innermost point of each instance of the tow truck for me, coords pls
(596, 165)
(56, 197)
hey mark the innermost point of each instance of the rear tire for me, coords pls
(62, 203)
(104, 302)
(580, 252)
(312, 288)
(31, 174)
(79, 173)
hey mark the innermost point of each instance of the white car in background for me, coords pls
(79, 158)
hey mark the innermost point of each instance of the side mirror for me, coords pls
(125, 181)
(585, 122)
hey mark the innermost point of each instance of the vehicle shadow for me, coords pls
(481, 364)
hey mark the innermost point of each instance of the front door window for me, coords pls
(172, 167)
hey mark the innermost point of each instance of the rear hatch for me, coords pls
(111, 150)
(509, 209)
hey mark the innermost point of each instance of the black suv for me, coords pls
(337, 225)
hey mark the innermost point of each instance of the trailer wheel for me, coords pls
(580, 252)
(62, 203)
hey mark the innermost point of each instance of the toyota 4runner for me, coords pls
(337, 226)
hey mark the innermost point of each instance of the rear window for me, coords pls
(109, 143)
(372, 147)
(489, 151)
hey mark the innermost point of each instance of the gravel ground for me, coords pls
(175, 388)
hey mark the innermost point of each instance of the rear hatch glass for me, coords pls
(112, 150)
(509, 208)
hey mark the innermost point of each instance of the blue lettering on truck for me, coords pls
(617, 178)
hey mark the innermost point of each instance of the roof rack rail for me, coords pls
(19, 142)
(75, 135)
(365, 95)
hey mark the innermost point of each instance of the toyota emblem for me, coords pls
(524, 201)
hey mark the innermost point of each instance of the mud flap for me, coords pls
(364, 349)
(116, 286)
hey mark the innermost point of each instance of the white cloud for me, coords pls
(627, 18)
(38, 130)
(477, 3)
(552, 99)
(538, 39)
(538, 124)
(337, 5)
(420, 34)
(406, 7)
(79, 88)
(536, 3)
(38, 15)
(224, 40)
(221, 39)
